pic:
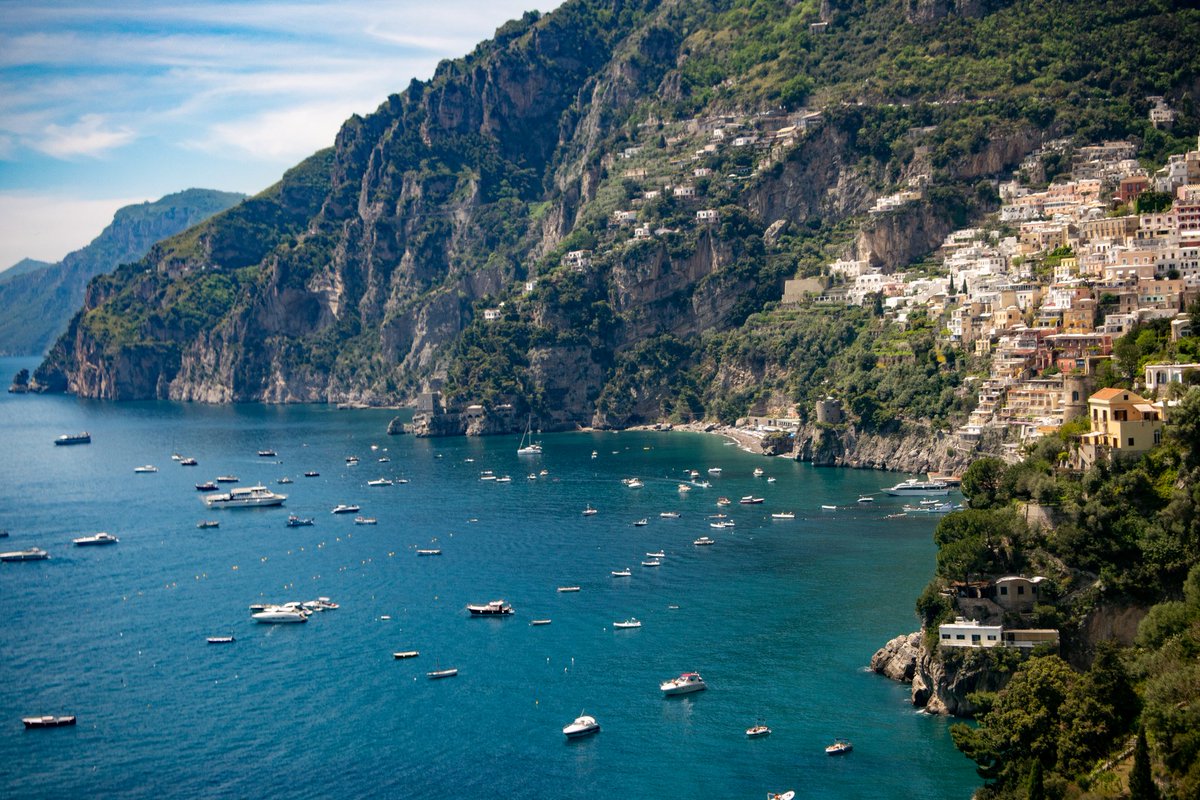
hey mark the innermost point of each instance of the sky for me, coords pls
(103, 104)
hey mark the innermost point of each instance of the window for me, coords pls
(974, 637)
(1158, 436)
(991, 637)
(945, 636)
(1003, 590)
(959, 637)
(1131, 441)
(1020, 590)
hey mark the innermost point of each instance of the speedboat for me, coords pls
(866, 498)
(758, 472)
(266, 453)
(495, 608)
(685, 684)
(659, 554)
(298, 522)
(48, 721)
(384, 460)
(220, 640)
(343, 508)
(632, 622)
(641, 523)
(771, 479)
(654, 562)
(145, 468)
(724, 501)
(669, 514)
(379, 482)
(582, 726)
(714, 470)
(828, 508)
(704, 540)
(429, 552)
(721, 525)
(100, 538)
(74, 438)
(788, 795)
(750, 500)
(31, 554)
(758, 730)
(568, 588)
(280, 615)
(365, 521)
(589, 511)
(839, 748)
(634, 483)
(540, 621)
(207, 486)
(783, 515)
(621, 573)
(244, 497)
(913, 486)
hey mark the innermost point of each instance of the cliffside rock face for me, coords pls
(914, 448)
(938, 687)
(893, 239)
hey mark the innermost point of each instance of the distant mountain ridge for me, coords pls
(37, 299)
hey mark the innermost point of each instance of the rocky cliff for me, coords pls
(913, 447)
(939, 685)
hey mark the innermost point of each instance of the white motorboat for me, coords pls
(266, 454)
(724, 501)
(568, 588)
(594, 454)
(495, 608)
(771, 479)
(284, 479)
(714, 470)
(828, 508)
(244, 497)
(704, 540)
(429, 552)
(220, 640)
(48, 721)
(718, 525)
(145, 468)
(686, 683)
(788, 795)
(379, 482)
(659, 554)
(759, 729)
(344, 508)
(504, 479)
(583, 725)
(912, 486)
(589, 511)
(365, 521)
(632, 622)
(641, 523)
(406, 654)
(30, 554)
(442, 673)
(684, 488)
(100, 538)
(839, 748)
(758, 472)
(208, 523)
(540, 622)
(866, 498)
(487, 475)
(750, 500)
(528, 447)
(280, 615)
(622, 573)
(634, 483)
(654, 562)
(669, 514)
(783, 515)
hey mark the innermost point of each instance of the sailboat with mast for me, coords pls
(528, 446)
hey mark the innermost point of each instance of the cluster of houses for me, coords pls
(984, 604)
(1044, 293)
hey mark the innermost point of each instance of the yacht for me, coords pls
(343, 508)
(583, 725)
(839, 748)
(74, 438)
(685, 684)
(913, 486)
(244, 497)
(379, 482)
(632, 622)
(621, 573)
(31, 554)
(145, 468)
(280, 615)
(589, 511)
(298, 522)
(495, 608)
(704, 540)
(100, 538)
(528, 447)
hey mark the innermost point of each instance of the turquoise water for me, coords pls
(779, 617)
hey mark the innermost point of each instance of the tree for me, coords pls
(21, 378)
(1141, 781)
(982, 481)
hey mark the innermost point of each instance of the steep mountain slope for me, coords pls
(23, 267)
(366, 273)
(37, 304)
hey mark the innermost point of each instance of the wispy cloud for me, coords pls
(90, 136)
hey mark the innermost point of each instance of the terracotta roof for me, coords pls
(1108, 394)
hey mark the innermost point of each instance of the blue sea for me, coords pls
(780, 617)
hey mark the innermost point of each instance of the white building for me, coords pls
(707, 215)
(970, 633)
(1158, 376)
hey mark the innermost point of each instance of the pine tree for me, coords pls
(1037, 790)
(1141, 783)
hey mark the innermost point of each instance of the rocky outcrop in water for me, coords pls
(915, 447)
(939, 686)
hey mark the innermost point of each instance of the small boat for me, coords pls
(783, 515)
(702, 484)
(494, 608)
(351, 460)
(724, 501)
(704, 540)
(621, 573)
(504, 479)
(641, 523)
(750, 500)
(758, 730)
(632, 622)
(594, 454)
(227, 479)
(343, 508)
(719, 525)
(686, 683)
(145, 469)
(532, 476)
(487, 475)
(176, 457)
(442, 673)
(788, 795)
(188, 462)
(220, 640)
(659, 554)
(379, 482)
(406, 654)
(828, 508)
(266, 454)
(634, 483)
(839, 748)
(206, 486)
(654, 562)
(298, 522)
(758, 472)
(771, 479)
(714, 470)
(568, 588)
(693, 473)
(866, 498)
(583, 725)
(429, 552)
(208, 523)
(669, 514)
(48, 721)
(589, 511)
(311, 474)
(74, 438)
(384, 460)
(400, 481)
(684, 488)
(31, 554)
(540, 622)
(365, 521)
(528, 447)
(100, 538)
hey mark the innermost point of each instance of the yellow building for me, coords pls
(1122, 422)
